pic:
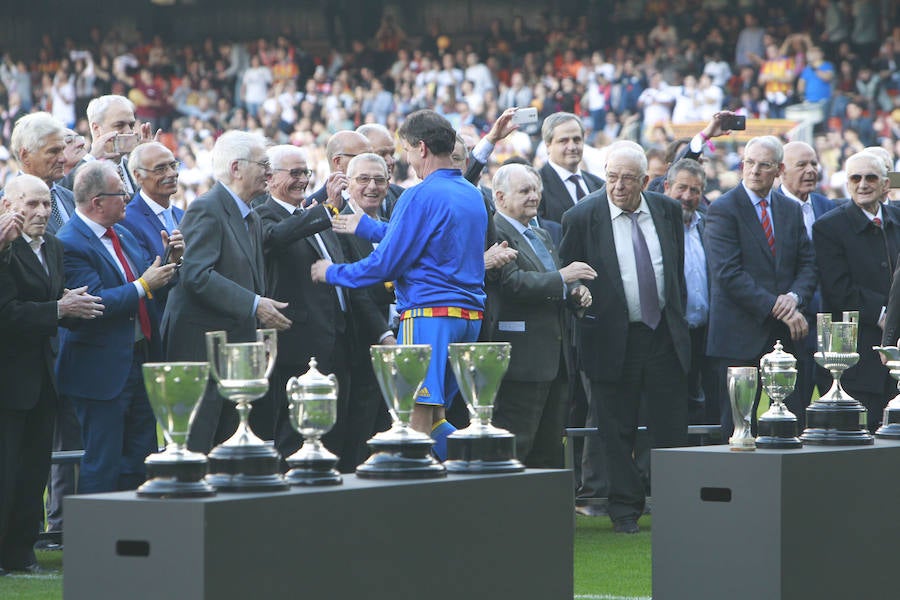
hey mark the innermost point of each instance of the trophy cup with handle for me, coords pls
(742, 384)
(243, 463)
(890, 424)
(836, 418)
(778, 425)
(175, 390)
(480, 448)
(312, 400)
(401, 452)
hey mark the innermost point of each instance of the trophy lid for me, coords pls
(778, 359)
(313, 382)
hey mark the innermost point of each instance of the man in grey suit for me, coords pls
(222, 280)
(762, 270)
(633, 341)
(531, 402)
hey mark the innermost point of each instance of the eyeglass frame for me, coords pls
(295, 173)
(161, 169)
(370, 179)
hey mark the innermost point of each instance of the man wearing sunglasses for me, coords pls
(761, 270)
(856, 252)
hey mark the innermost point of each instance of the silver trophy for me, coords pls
(401, 452)
(742, 384)
(175, 390)
(778, 425)
(312, 399)
(479, 368)
(837, 419)
(243, 463)
(890, 423)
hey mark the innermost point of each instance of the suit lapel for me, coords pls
(607, 246)
(30, 261)
(97, 246)
(240, 232)
(518, 242)
(748, 215)
(663, 224)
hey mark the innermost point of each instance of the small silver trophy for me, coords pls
(313, 410)
(778, 425)
(243, 463)
(742, 384)
(890, 424)
(479, 368)
(837, 419)
(175, 390)
(401, 452)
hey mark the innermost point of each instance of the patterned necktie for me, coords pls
(540, 249)
(579, 191)
(143, 315)
(55, 216)
(646, 276)
(767, 225)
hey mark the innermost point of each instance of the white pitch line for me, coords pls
(38, 576)
(608, 597)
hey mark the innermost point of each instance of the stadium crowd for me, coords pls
(252, 169)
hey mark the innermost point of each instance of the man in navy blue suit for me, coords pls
(798, 182)
(99, 364)
(761, 267)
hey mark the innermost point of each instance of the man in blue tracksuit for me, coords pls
(433, 249)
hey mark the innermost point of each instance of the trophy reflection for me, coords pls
(243, 463)
(778, 425)
(742, 383)
(890, 423)
(479, 368)
(837, 419)
(312, 400)
(175, 390)
(401, 452)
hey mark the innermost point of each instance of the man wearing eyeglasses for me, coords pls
(99, 364)
(328, 322)
(856, 246)
(761, 268)
(150, 215)
(340, 150)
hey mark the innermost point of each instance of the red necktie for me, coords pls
(143, 315)
(767, 225)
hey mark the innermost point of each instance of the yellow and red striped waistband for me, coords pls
(443, 311)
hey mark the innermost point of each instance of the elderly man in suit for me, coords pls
(633, 340)
(33, 299)
(531, 402)
(340, 149)
(99, 366)
(328, 322)
(150, 215)
(222, 282)
(762, 268)
(38, 145)
(798, 182)
(857, 245)
(564, 182)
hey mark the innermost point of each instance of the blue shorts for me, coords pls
(440, 385)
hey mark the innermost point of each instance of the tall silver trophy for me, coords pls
(742, 384)
(401, 452)
(312, 399)
(837, 419)
(890, 424)
(243, 463)
(479, 368)
(778, 425)
(175, 390)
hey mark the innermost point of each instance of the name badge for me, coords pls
(511, 326)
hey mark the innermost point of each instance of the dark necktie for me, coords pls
(767, 225)
(55, 216)
(647, 290)
(887, 249)
(579, 191)
(143, 315)
(540, 249)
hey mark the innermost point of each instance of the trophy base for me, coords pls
(163, 487)
(890, 430)
(778, 434)
(247, 468)
(478, 450)
(176, 475)
(401, 457)
(836, 424)
(313, 471)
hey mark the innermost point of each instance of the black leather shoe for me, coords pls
(628, 526)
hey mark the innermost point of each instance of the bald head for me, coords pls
(801, 169)
(382, 142)
(343, 146)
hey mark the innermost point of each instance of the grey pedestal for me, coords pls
(487, 536)
(775, 525)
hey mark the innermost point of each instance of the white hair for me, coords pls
(31, 132)
(96, 108)
(278, 154)
(365, 157)
(231, 146)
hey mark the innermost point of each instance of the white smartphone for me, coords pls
(525, 116)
